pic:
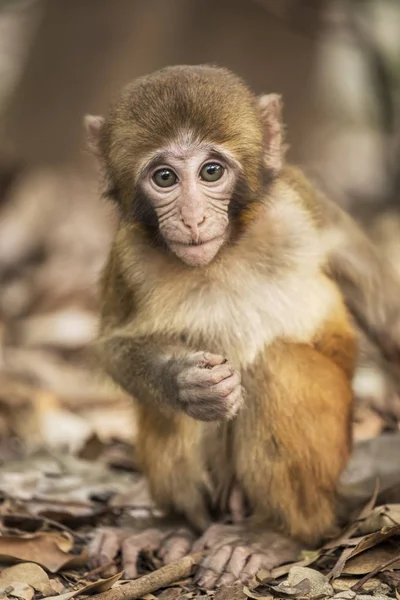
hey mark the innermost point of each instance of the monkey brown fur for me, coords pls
(221, 318)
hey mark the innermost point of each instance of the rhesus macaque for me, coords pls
(221, 317)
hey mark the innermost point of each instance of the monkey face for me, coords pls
(189, 186)
(186, 151)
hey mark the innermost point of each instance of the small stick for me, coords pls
(154, 581)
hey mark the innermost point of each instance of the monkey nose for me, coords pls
(194, 226)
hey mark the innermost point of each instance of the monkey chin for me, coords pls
(197, 255)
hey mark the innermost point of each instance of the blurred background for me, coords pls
(337, 65)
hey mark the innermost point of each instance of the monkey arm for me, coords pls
(367, 281)
(145, 366)
(156, 370)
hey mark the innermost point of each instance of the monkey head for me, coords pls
(186, 150)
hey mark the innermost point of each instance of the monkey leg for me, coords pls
(293, 440)
(290, 445)
(170, 453)
(168, 449)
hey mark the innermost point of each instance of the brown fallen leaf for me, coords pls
(254, 595)
(381, 516)
(370, 559)
(373, 586)
(278, 572)
(102, 585)
(373, 539)
(230, 592)
(20, 590)
(169, 594)
(27, 573)
(392, 578)
(291, 591)
(366, 542)
(49, 550)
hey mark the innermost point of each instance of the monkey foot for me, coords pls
(233, 556)
(169, 545)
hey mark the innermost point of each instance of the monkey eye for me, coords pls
(165, 178)
(212, 172)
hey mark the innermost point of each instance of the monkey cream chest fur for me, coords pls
(243, 301)
(238, 313)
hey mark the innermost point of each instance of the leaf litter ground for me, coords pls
(52, 502)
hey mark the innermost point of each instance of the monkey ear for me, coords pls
(93, 125)
(273, 131)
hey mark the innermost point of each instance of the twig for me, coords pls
(153, 581)
(357, 586)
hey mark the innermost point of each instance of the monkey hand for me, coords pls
(233, 553)
(207, 386)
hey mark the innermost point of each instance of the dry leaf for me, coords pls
(391, 578)
(372, 586)
(50, 550)
(381, 516)
(230, 592)
(27, 573)
(20, 590)
(369, 541)
(371, 559)
(102, 585)
(292, 591)
(309, 559)
(254, 595)
(172, 593)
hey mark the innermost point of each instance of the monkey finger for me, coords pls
(207, 377)
(212, 360)
(235, 400)
(224, 388)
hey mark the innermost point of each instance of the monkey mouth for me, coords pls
(197, 253)
(197, 243)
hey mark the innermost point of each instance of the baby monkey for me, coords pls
(221, 317)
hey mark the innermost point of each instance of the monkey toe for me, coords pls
(169, 544)
(212, 566)
(176, 545)
(230, 558)
(149, 540)
(104, 547)
(256, 562)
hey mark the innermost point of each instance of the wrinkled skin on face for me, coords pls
(189, 186)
